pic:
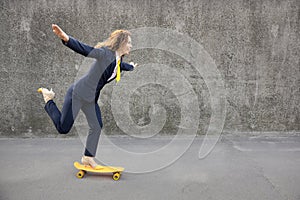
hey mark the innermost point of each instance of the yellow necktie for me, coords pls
(118, 71)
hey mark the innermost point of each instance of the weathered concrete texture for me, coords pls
(255, 45)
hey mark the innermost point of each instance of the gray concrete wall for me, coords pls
(255, 45)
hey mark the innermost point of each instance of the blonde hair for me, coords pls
(115, 40)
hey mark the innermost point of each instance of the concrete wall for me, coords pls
(255, 45)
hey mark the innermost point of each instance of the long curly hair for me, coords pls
(115, 40)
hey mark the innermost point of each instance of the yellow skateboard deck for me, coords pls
(116, 171)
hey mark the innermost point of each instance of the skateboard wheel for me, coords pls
(116, 176)
(80, 174)
(40, 90)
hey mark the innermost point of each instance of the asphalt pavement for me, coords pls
(238, 168)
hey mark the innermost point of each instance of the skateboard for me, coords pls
(116, 171)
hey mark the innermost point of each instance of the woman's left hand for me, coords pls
(133, 64)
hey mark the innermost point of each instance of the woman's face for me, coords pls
(126, 47)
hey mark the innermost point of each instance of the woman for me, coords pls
(84, 93)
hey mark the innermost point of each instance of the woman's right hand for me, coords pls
(60, 33)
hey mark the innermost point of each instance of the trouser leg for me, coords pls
(63, 121)
(93, 116)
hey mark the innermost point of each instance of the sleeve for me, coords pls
(126, 67)
(84, 49)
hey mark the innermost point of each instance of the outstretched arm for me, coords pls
(76, 45)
